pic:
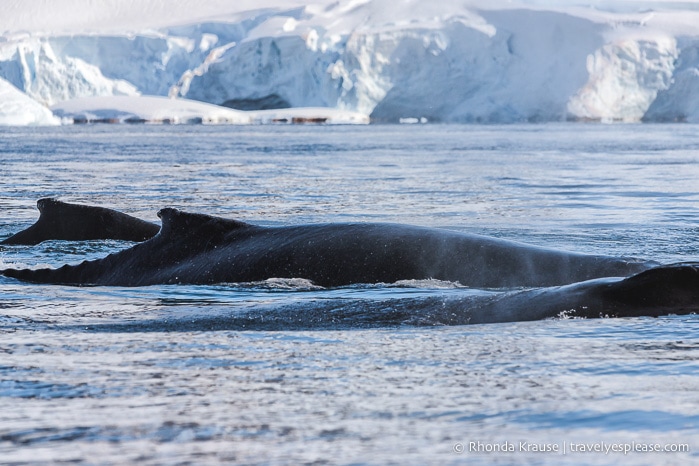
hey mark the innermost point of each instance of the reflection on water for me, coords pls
(284, 372)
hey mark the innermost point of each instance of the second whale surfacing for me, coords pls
(202, 249)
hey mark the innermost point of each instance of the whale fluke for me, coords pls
(74, 222)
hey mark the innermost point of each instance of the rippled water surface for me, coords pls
(253, 374)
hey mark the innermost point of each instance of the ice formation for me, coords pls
(457, 61)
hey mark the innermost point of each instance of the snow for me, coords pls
(618, 87)
(146, 109)
(163, 110)
(18, 109)
(456, 61)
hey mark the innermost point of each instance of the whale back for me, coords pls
(673, 286)
(202, 249)
(662, 290)
(74, 222)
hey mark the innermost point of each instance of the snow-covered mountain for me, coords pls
(465, 61)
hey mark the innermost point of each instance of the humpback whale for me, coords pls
(519, 281)
(661, 290)
(74, 222)
(201, 249)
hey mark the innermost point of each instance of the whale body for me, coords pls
(202, 249)
(663, 290)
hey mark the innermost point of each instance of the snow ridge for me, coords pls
(440, 61)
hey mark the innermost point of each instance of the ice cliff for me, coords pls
(18, 109)
(455, 61)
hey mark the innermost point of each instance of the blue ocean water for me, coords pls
(171, 374)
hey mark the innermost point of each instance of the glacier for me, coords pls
(18, 109)
(455, 61)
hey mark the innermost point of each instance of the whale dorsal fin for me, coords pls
(176, 222)
(75, 222)
(45, 205)
(664, 285)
